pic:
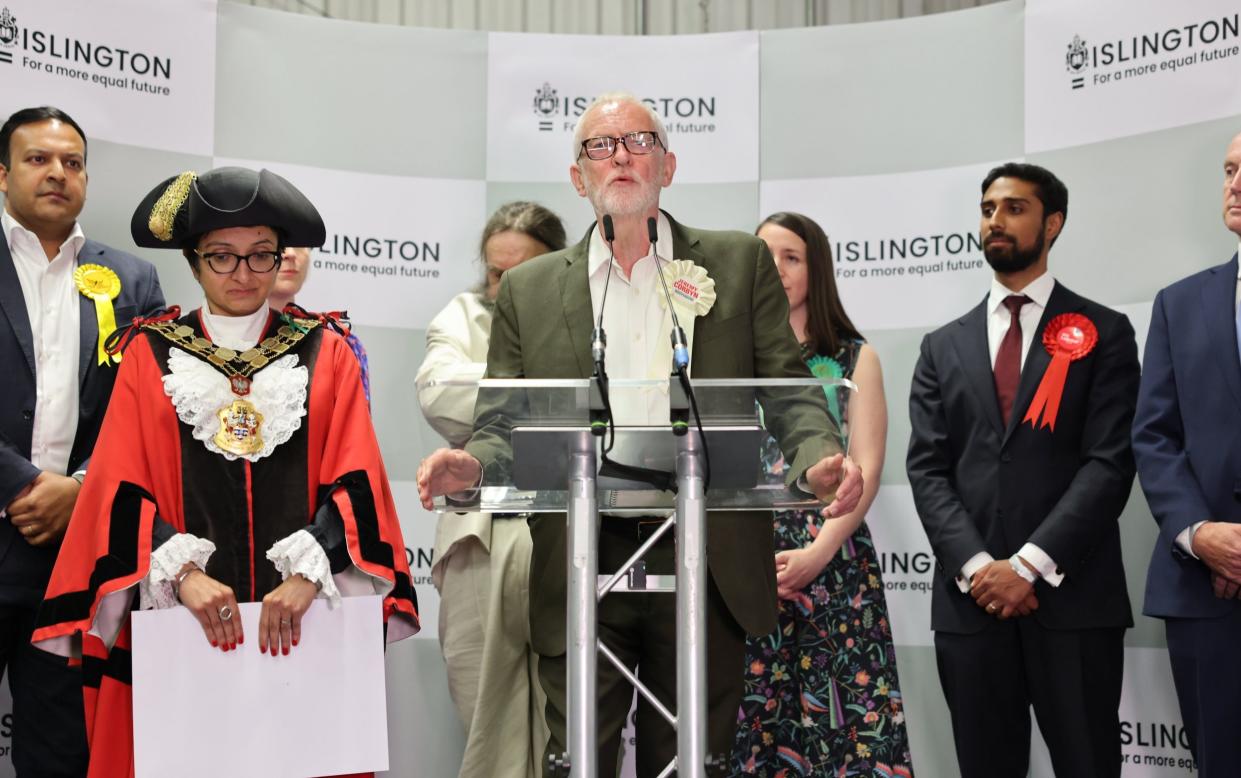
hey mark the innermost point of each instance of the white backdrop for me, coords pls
(408, 138)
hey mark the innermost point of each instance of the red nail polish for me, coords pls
(214, 644)
(286, 651)
(295, 641)
(241, 640)
(262, 649)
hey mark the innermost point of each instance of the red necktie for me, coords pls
(1008, 358)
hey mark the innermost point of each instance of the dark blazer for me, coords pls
(979, 486)
(1187, 433)
(542, 329)
(24, 569)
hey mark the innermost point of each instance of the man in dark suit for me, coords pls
(545, 312)
(1187, 441)
(57, 388)
(1020, 498)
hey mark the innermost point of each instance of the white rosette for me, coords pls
(693, 293)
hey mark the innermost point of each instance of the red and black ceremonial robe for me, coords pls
(150, 477)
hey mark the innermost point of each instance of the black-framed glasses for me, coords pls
(604, 146)
(225, 262)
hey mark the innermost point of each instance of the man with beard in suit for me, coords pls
(1020, 465)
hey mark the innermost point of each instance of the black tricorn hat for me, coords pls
(186, 206)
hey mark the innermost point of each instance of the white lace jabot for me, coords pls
(198, 391)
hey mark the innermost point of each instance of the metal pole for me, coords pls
(583, 582)
(691, 560)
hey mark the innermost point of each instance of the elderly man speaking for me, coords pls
(542, 327)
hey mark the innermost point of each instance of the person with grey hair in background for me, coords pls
(482, 561)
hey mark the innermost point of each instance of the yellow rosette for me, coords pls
(102, 285)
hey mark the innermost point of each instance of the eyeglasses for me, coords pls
(604, 147)
(224, 262)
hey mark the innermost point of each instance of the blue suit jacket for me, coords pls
(24, 569)
(1187, 433)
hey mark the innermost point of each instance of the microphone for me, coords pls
(598, 339)
(680, 350)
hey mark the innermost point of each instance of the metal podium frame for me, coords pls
(570, 454)
(585, 590)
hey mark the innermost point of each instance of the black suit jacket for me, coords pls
(979, 486)
(24, 569)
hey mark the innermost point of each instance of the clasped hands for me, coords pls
(448, 470)
(41, 510)
(215, 607)
(1001, 592)
(1218, 545)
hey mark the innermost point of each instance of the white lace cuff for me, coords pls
(301, 554)
(155, 591)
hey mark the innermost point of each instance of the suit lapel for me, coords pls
(14, 304)
(971, 344)
(88, 321)
(1037, 359)
(575, 297)
(1220, 310)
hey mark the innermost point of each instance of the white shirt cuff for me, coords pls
(155, 591)
(1185, 538)
(971, 566)
(1043, 564)
(300, 554)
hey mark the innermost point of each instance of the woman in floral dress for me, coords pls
(822, 695)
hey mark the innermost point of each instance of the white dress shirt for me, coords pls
(55, 326)
(633, 319)
(1185, 538)
(998, 321)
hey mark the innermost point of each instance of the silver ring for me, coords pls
(286, 621)
(991, 608)
(226, 613)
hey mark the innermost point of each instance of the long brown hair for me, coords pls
(827, 324)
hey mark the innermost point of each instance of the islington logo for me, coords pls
(1075, 61)
(1165, 50)
(680, 114)
(545, 103)
(82, 60)
(8, 34)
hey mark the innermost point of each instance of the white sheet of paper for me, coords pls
(321, 710)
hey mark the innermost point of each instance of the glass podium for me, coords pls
(644, 448)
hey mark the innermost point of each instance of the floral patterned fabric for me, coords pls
(822, 696)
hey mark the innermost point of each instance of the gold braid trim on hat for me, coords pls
(164, 212)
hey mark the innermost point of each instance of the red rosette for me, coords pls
(1068, 338)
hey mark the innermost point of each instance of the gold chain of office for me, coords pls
(228, 361)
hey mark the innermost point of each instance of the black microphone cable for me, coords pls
(680, 354)
(599, 339)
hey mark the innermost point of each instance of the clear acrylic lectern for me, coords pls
(556, 453)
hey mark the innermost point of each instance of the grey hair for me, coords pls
(617, 97)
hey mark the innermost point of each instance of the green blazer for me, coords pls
(542, 326)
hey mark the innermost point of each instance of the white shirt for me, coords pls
(633, 319)
(998, 321)
(55, 327)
